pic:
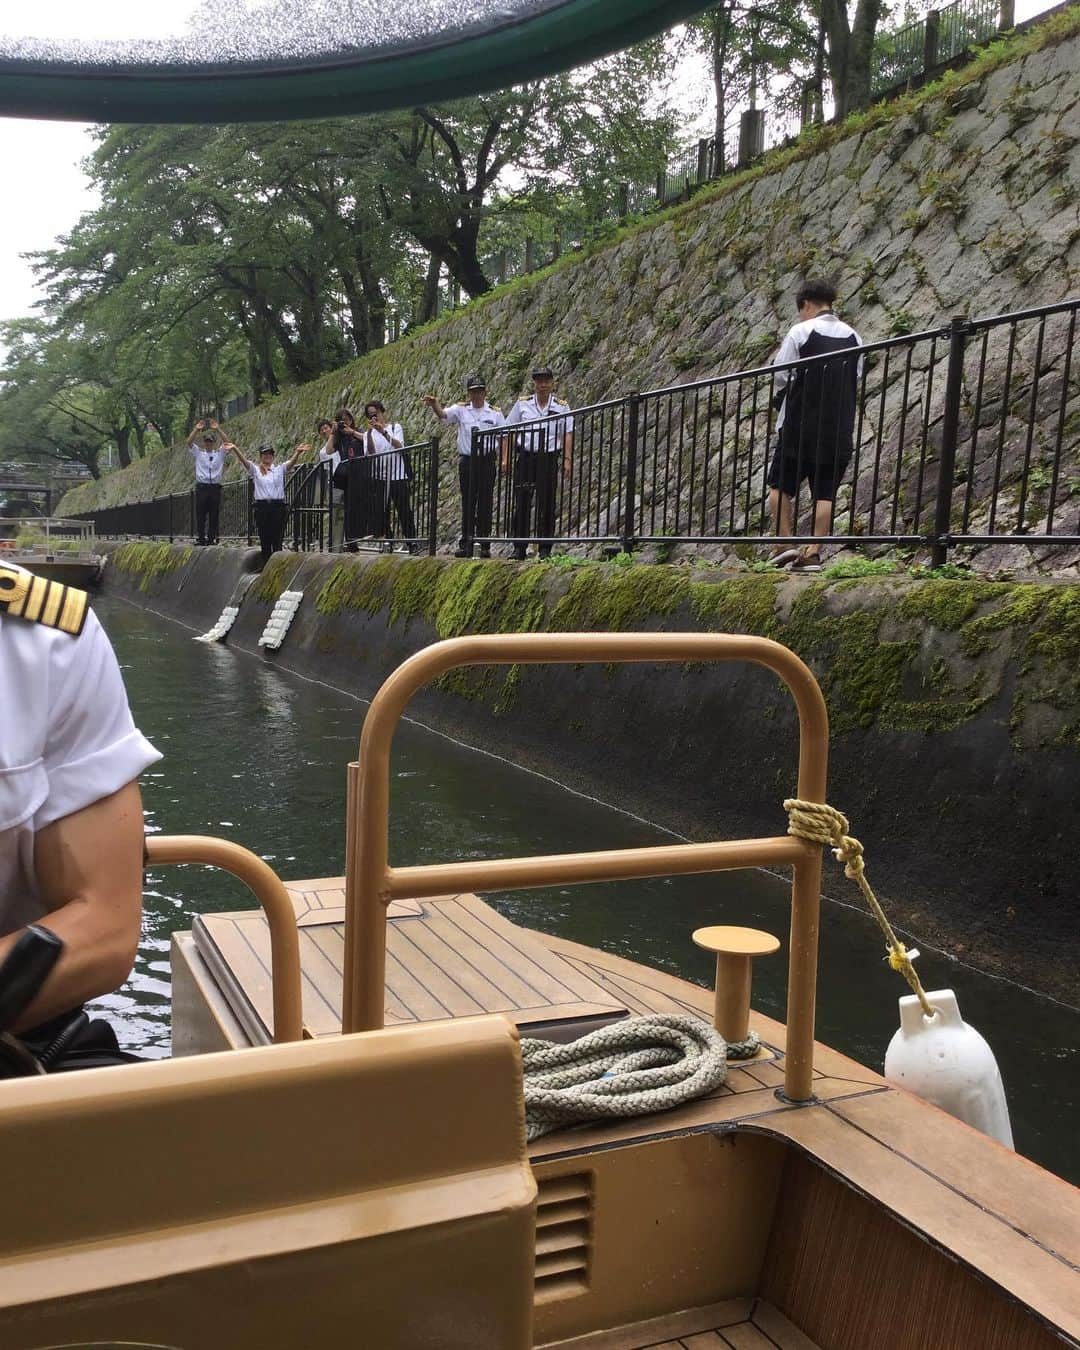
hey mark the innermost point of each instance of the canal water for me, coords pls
(258, 755)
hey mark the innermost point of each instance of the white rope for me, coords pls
(628, 1068)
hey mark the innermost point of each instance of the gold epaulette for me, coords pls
(27, 596)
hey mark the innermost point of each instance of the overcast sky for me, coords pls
(46, 190)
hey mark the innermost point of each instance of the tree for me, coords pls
(851, 51)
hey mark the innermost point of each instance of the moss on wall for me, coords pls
(147, 561)
(891, 652)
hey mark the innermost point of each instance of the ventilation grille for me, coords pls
(563, 1235)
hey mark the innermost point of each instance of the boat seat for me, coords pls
(360, 1190)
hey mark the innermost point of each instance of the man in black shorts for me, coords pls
(816, 422)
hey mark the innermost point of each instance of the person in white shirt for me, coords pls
(476, 480)
(540, 450)
(816, 423)
(71, 820)
(329, 456)
(392, 466)
(209, 457)
(268, 481)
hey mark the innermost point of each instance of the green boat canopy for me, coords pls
(265, 60)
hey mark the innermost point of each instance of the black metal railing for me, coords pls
(968, 434)
(317, 520)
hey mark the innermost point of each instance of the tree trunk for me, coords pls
(429, 300)
(122, 436)
(850, 51)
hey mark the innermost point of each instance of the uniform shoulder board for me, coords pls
(27, 596)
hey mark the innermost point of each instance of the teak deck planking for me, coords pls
(455, 956)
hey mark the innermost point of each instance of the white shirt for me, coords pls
(269, 486)
(465, 417)
(390, 465)
(67, 740)
(208, 463)
(328, 455)
(824, 325)
(550, 436)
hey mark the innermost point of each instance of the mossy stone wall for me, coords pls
(954, 709)
(959, 200)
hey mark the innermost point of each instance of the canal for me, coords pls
(258, 755)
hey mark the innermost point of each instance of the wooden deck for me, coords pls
(999, 1215)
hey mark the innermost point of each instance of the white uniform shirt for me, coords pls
(550, 436)
(390, 465)
(269, 486)
(825, 324)
(328, 455)
(465, 417)
(67, 740)
(208, 463)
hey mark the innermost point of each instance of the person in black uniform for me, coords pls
(364, 497)
(542, 450)
(816, 425)
(209, 456)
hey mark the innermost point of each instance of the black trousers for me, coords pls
(398, 492)
(270, 518)
(536, 476)
(477, 495)
(207, 511)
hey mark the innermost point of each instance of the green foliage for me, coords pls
(861, 567)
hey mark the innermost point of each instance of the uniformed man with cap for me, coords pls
(71, 820)
(539, 452)
(208, 451)
(477, 480)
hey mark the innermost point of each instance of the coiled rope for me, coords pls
(822, 824)
(628, 1068)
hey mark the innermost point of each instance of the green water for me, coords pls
(258, 755)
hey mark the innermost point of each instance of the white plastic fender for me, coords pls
(948, 1063)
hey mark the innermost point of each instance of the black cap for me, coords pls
(543, 372)
(475, 382)
(266, 450)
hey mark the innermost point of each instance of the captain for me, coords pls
(71, 819)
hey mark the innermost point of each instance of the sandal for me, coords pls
(809, 560)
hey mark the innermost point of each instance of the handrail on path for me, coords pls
(371, 883)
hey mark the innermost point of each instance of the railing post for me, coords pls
(661, 185)
(530, 254)
(954, 388)
(1007, 15)
(469, 504)
(633, 410)
(433, 497)
(172, 531)
(702, 160)
(751, 136)
(931, 35)
(624, 200)
(191, 513)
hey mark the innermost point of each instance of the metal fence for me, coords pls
(968, 434)
(317, 517)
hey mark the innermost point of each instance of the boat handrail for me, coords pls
(371, 883)
(268, 888)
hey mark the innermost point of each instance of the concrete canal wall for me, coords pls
(954, 705)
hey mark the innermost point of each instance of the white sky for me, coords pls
(46, 190)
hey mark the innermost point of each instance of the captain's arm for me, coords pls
(88, 868)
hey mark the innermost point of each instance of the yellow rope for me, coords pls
(822, 824)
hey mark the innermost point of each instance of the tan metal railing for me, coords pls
(269, 890)
(371, 883)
